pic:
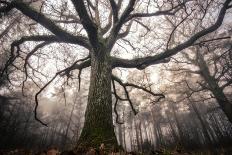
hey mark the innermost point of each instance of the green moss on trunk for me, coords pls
(98, 127)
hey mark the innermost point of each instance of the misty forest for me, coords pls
(115, 77)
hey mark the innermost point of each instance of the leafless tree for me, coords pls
(98, 28)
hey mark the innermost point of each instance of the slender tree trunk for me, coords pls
(160, 136)
(124, 132)
(151, 135)
(217, 128)
(153, 130)
(140, 135)
(53, 134)
(64, 139)
(203, 123)
(26, 127)
(137, 136)
(130, 122)
(176, 138)
(98, 126)
(131, 139)
(145, 131)
(120, 134)
(178, 124)
(43, 140)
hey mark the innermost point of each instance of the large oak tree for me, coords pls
(105, 23)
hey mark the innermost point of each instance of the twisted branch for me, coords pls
(125, 85)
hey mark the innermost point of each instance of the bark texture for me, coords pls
(98, 127)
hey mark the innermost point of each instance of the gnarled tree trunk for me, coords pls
(98, 127)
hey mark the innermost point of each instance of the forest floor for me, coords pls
(212, 151)
(55, 151)
(222, 151)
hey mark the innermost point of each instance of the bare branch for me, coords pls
(49, 24)
(91, 4)
(87, 23)
(126, 32)
(160, 58)
(114, 8)
(124, 85)
(143, 25)
(7, 29)
(116, 102)
(192, 89)
(210, 40)
(186, 70)
(108, 25)
(85, 62)
(160, 96)
(117, 26)
(171, 11)
(126, 92)
(228, 83)
(36, 99)
(27, 59)
(175, 27)
(139, 63)
(61, 73)
(17, 43)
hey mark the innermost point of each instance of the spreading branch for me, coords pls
(60, 73)
(114, 8)
(49, 24)
(125, 85)
(117, 97)
(16, 44)
(171, 11)
(117, 26)
(114, 78)
(162, 57)
(26, 62)
(87, 22)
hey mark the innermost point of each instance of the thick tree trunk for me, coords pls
(98, 127)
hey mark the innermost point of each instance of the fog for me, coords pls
(142, 77)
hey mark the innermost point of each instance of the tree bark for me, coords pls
(98, 127)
